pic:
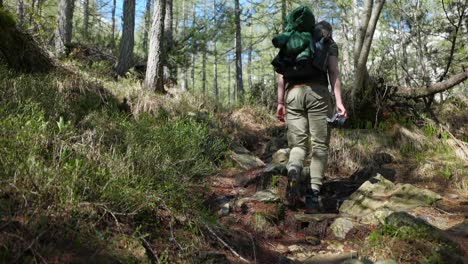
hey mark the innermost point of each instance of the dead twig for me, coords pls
(225, 244)
(149, 251)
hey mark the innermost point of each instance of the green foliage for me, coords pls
(67, 155)
(446, 172)
(6, 19)
(429, 130)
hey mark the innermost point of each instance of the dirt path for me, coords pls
(251, 201)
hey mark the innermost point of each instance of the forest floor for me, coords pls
(250, 201)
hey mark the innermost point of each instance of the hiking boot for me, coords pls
(312, 201)
(292, 192)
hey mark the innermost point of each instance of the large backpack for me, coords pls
(303, 50)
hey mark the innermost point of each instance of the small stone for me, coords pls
(301, 256)
(294, 248)
(312, 240)
(452, 196)
(386, 261)
(224, 210)
(341, 226)
(281, 156)
(336, 246)
(266, 196)
(282, 249)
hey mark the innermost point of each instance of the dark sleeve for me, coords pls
(333, 51)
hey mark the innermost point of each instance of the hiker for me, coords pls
(305, 103)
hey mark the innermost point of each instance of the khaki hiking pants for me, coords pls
(307, 109)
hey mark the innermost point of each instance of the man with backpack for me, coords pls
(307, 63)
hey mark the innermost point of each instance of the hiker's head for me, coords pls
(324, 27)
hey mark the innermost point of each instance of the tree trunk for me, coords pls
(204, 49)
(193, 47)
(147, 26)
(168, 37)
(184, 67)
(85, 18)
(114, 4)
(249, 54)
(127, 40)
(215, 71)
(239, 84)
(229, 80)
(63, 32)
(433, 88)
(154, 71)
(215, 58)
(20, 11)
(283, 13)
(364, 36)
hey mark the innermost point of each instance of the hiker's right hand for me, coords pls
(280, 112)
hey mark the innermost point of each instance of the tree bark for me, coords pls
(63, 32)
(85, 18)
(203, 44)
(433, 88)
(147, 26)
(127, 41)
(193, 47)
(20, 11)
(154, 71)
(184, 25)
(239, 84)
(283, 14)
(363, 45)
(114, 4)
(229, 79)
(168, 37)
(215, 58)
(249, 54)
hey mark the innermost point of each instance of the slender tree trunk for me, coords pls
(147, 26)
(205, 14)
(168, 37)
(114, 4)
(363, 43)
(127, 40)
(193, 47)
(63, 32)
(215, 71)
(215, 58)
(239, 84)
(229, 80)
(31, 12)
(85, 18)
(283, 12)
(20, 11)
(154, 71)
(249, 54)
(184, 67)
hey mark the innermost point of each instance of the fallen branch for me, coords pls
(149, 251)
(433, 88)
(225, 244)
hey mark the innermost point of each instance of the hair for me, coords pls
(324, 25)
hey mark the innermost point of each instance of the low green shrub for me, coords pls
(70, 159)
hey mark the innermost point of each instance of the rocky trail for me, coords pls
(257, 225)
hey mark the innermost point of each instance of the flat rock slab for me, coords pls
(244, 158)
(330, 258)
(304, 218)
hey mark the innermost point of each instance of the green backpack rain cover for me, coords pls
(302, 48)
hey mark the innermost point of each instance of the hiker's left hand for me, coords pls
(341, 110)
(280, 112)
